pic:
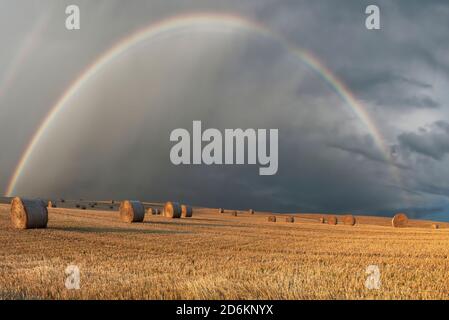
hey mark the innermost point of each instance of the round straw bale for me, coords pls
(152, 211)
(234, 213)
(158, 211)
(28, 214)
(349, 220)
(271, 219)
(172, 210)
(322, 220)
(435, 226)
(251, 211)
(290, 219)
(51, 204)
(186, 211)
(220, 210)
(132, 211)
(332, 220)
(400, 220)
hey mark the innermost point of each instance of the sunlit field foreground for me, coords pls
(219, 256)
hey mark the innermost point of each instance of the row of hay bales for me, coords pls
(235, 213)
(134, 211)
(332, 220)
(400, 220)
(33, 213)
(348, 220)
(28, 214)
(288, 219)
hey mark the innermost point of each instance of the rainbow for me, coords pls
(25, 50)
(176, 24)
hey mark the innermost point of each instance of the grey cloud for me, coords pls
(360, 145)
(359, 80)
(435, 189)
(432, 142)
(113, 142)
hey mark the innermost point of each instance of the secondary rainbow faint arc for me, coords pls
(25, 50)
(176, 23)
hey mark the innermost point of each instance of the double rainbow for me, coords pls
(176, 24)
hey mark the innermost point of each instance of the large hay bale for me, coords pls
(322, 220)
(332, 220)
(290, 219)
(51, 204)
(234, 213)
(435, 226)
(271, 219)
(152, 211)
(158, 211)
(220, 210)
(132, 211)
(28, 214)
(251, 211)
(349, 220)
(186, 211)
(400, 220)
(172, 210)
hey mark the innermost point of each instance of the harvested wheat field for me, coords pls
(219, 256)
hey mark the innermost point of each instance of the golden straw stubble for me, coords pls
(172, 210)
(186, 211)
(400, 220)
(132, 211)
(28, 214)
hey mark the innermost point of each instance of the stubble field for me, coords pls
(219, 256)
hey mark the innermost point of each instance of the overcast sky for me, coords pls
(112, 140)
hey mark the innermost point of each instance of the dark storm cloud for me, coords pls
(435, 190)
(328, 162)
(432, 142)
(393, 67)
(382, 89)
(420, 102)
(360, 145)
(358, 80)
